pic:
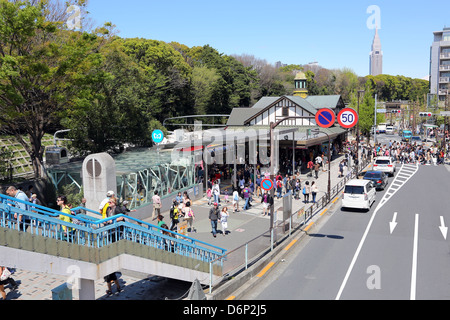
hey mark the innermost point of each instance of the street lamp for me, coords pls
(273, 125)
(357, 137)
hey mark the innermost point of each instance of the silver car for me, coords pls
(384, 164)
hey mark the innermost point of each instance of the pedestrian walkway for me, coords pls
(243, 226)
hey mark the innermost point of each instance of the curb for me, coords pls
(237, 287)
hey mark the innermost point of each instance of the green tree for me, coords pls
(40, 62)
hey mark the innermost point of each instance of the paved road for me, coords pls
(354, 255)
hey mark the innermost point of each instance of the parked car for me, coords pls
(384, 164)
(358, 194)
(379, 178)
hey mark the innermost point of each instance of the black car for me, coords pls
(379, 178)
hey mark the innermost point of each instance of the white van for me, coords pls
(358, 194)
(389, 130)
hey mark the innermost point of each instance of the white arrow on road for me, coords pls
(393, 224)
(443, 228)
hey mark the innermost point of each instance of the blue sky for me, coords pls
(336, 34)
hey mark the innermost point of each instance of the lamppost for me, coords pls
(273, 125)
(357, 139)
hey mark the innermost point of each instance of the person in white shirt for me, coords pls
(224, 220)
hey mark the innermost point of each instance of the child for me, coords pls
(209, 195)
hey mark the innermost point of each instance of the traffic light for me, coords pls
(396, 111)
(425, 114)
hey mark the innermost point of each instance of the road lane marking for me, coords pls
(414, 260)
(231, 298)
(263, 271)
(386, 197)
(324, 211)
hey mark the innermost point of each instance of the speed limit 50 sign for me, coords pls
(347, 118)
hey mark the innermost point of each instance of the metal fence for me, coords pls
(242, 257)
(92, 232)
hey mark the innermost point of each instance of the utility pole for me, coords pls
(357, 138)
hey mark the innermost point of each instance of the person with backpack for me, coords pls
(279, 187)
(174, 215)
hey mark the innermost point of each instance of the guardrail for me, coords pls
(242, 257)
(93, 232)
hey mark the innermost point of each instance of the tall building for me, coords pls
(376, 56)
(440, 64)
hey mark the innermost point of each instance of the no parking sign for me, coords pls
(325, 118)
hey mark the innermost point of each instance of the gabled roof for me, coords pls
(267, 102)
(239, 115)
(320, 102)
(242, 116)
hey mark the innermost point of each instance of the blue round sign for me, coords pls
(157, 136)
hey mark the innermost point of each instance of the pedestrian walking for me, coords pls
(174, 217)
(22, 220)
(236, 200)
(156, 205)
(267, 201)
(306, 191)
(189, 216)
(216, 191)
(314, 191)
(224, 220)
(214, 215)
(316, 169)
(341, 169)
(310, 166)
(246, 193)
(65, 216)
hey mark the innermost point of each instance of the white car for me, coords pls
(390, 130)
(358, 194)
(384, 164)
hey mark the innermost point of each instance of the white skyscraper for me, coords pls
(376, 56)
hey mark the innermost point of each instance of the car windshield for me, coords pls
(416, 138)
(382, 162)
(372, 175)
(354, 189)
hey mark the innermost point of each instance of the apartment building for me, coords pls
(440, 64)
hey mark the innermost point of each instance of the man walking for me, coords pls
(23, 221)
(214, 217)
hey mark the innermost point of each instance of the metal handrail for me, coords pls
(98, 233)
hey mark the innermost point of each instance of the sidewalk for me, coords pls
(243, 226)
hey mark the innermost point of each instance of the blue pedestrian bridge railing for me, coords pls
(88, 230)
